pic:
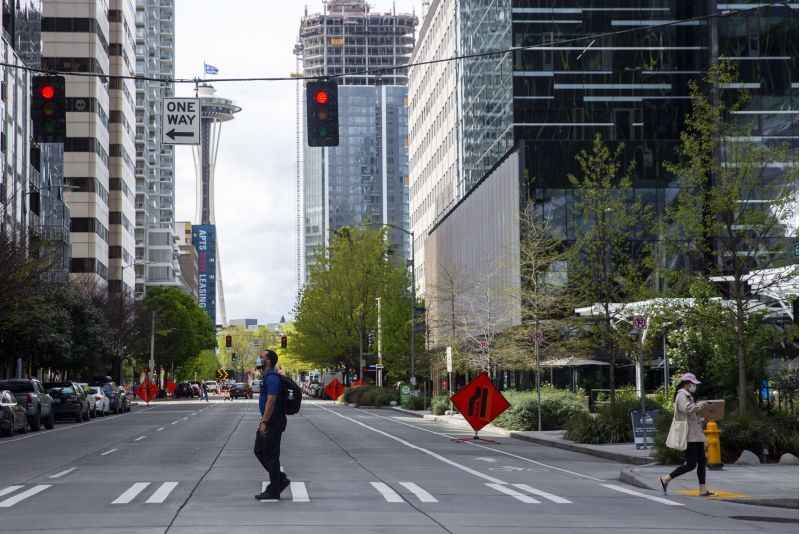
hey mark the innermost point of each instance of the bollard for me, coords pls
(713, 449)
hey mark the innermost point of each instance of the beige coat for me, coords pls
(688, 410)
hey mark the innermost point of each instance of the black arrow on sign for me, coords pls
(172, 134)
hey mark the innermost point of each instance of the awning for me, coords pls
(572, 362)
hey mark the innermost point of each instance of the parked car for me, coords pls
(69, 400)
(91, 398)
(197, 391)
(12, 415)
(241, 390)
(124, 400)
(32, 395)
(256, 385)
(102, 404)
(211, 386)
(111, 390)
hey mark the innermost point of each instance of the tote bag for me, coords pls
(678, 432)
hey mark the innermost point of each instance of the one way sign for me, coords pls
(180, 121)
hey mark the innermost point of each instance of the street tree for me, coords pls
(734, 217)
(607, 262)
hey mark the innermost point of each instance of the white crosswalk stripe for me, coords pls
(10, 489)
(298, 490)
(19, 497)
(418, 492)
(161, 494)
(513, 493)
(642, 495)
(129, 494)
(549, 496)
(387, 493)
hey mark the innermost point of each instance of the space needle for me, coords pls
(214, 111)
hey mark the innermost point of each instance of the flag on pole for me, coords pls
(210, 69)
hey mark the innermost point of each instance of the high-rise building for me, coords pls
(525, 115)
(364, 180)
(99, 144)
(156, 256)
(214, 111)
(433, 95)
(187, 258)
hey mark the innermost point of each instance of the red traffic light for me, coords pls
(48, 92)
(321, 97)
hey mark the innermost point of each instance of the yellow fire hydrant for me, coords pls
(713, 448)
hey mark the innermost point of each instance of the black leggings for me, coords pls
(695, 457)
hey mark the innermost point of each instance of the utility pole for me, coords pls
(152, 341)
(413, 378)
(379, 366)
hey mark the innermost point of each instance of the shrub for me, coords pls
(777, 434)
(558, 407)
(440, 404)
(413, 403)
(612, 424)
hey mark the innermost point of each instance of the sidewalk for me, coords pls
(622, 452)
(765, 485)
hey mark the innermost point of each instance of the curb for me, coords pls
(419, 415)
(629, 477)
(577, 447)
(790, 504)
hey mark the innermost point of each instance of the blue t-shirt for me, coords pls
(270, 385)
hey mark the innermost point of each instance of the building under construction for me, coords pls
(365, 178)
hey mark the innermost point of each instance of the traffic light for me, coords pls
(48, 109)
(322, 113)
(284, 342)
(228, 341)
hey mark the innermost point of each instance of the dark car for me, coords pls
(32, 395)
(241, 390)
(12, 415)
(69, 400)
(184, 391)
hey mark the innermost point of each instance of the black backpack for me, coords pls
(292, 395)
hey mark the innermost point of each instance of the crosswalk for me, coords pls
(390, 492)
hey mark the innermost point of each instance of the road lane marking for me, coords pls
(642, 495)
(10, 489)
(549, 496)
(388, 493)
(159, 429)
(418, 448)
(63, 473)
(109, 452)
(140, 438)
(513, 493)
(19, 497)
(175, 422)
(185, 418)
(299, 492)
(499, 451)
(131, 493)
(161, 494)
(418, 492)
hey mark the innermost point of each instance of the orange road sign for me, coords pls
(480, 402)
(334, 389)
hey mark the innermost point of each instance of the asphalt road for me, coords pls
(189, 468)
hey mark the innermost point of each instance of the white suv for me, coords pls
(211, 385)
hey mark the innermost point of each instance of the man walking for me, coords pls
(270, 427)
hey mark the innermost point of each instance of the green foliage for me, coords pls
(203, 366)
(440, 404)
(605, 265)
(337, 309)
(776, 434)
(413, 403)
(371, 396)
(558, 407)
(611, 424)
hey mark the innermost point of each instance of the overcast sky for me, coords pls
(255, 173)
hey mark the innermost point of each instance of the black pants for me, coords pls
(268, 451)
(695, 457)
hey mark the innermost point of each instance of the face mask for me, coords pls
(692, 388)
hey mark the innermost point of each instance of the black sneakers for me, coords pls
(269, 495)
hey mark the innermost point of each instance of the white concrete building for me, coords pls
(433, 126)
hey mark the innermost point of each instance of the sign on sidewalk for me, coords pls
(644, 428)
(480, 402)
(180, 121)
(334, 389)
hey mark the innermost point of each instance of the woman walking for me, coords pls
(686, 434)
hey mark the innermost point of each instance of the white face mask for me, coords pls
(692, 388)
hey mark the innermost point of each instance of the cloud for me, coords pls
(255, 173)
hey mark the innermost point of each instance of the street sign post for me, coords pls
(180, 121)
(480, 402)
(639, 322)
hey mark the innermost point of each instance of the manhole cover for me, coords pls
(764, 519)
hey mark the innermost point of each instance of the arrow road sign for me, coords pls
(180, 121)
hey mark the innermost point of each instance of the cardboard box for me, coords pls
(714, 410)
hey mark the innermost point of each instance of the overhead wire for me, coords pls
(589, 38)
